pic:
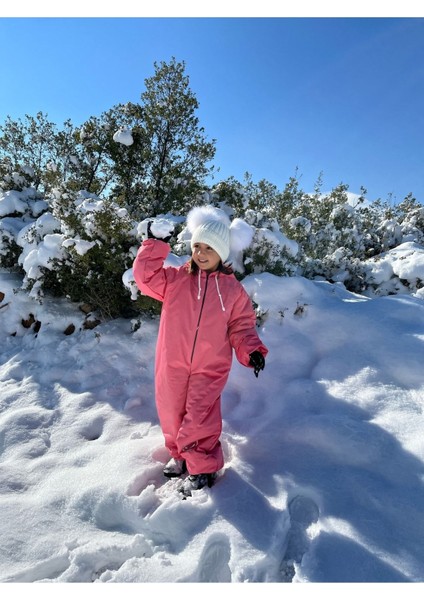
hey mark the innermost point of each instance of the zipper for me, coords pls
(200, 316)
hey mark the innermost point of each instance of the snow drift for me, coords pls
(324, 471)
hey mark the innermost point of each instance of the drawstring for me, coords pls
(219, 293)
(199, 290)
(199, 287)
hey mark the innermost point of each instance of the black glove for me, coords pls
(257, 361)
(153, 237)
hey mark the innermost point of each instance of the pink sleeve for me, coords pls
(242, 330)
(149, 272)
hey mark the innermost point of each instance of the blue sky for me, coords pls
(337, 96)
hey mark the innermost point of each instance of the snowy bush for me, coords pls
(18, 209)
(338, 267)
(332, 235)
(411, 218)
(390, 234)
(80, 252)
(9, 250)
(15, 177)
(81, 246)
(26, 203)
(270, 249)
(398, 271)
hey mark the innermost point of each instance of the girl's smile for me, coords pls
(205, 257)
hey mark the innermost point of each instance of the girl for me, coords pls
(206, 314)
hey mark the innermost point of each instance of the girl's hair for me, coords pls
(225, 269)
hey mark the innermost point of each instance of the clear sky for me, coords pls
(341, 96)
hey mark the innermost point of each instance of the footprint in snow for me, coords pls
(303, 512)
(93, 431)
(214, 561)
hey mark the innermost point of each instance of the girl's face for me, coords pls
(205, 257)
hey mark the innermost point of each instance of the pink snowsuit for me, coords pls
(204, 317)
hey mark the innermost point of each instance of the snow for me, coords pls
(81, 246)
(161, 227)
(407, 261)
(323, 480)
(19, 202)
(389, 270)
(123, 136)
(324, 471)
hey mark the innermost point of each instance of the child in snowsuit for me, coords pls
(206, 314)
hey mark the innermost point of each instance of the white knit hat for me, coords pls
(216, 235)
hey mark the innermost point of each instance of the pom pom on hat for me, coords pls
(241, 235)
(199, 215)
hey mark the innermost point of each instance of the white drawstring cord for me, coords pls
(199, 292)
(219, 293)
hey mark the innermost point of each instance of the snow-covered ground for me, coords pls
(324, 475)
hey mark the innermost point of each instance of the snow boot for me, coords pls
(174, 468)
(197, 482)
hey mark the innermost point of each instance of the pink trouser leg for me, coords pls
(189, 410)
(198, 437)
(171, 393)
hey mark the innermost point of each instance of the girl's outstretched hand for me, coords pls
(257, 361)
